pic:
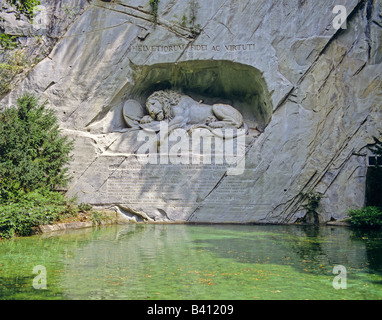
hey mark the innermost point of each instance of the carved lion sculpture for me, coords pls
(182, 111)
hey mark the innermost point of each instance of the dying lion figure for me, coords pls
(183, 112)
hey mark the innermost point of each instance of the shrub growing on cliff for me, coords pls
(154, 8)
(25, 6)
(33, 154)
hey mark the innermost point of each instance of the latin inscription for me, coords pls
(168, 182)
(194, 48)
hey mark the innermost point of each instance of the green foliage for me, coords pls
(97, 218)
(7, 72)
(191, 19)
(33, 157)
(84, 207)
(154, 6)
(33, 154)
(7, 41)
(25, 6)
(194, 7)
(313, 201)
(184, 20)
(33, 209)
(14, 62)
(369, 217)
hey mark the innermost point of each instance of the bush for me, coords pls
(33, 155)
(369, 217)
(33, 209)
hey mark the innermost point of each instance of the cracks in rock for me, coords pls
(109, 146)
(360, 6)
(247, 149)
(86, 169)
(369, 9)
(201, 204)
(285, 98)
(111, 174)
(224, 25)
(147, 17)
(320, 126)
(213, 17)
(194, 37)
(95, 31)
(72, 113)
(295, 202)
(377, 23)
(360, 69)
(332, 68)
(52, 83)
(314, 182)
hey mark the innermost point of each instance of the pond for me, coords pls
(194, 262)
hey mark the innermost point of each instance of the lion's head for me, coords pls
(159, 104)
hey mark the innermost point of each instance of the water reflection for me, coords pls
(317, 249)
(194, 262)
(372, 241)
(156, 261)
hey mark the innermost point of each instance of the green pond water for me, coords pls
(194, 262)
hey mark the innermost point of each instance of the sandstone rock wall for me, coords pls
(320, 88)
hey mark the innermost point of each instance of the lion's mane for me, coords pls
(167, 99)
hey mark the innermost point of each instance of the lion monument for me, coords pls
(181, 111)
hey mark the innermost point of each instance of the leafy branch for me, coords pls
(25, 6)
(154, 7)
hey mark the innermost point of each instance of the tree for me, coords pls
(33, 154)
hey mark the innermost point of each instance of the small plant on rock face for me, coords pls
(25, 6)
(191, 19)
(313, 199)
(154, 8)
(184, 20)
(7, 42)
(194, 7)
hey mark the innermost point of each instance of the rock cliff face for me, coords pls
(314, 93)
